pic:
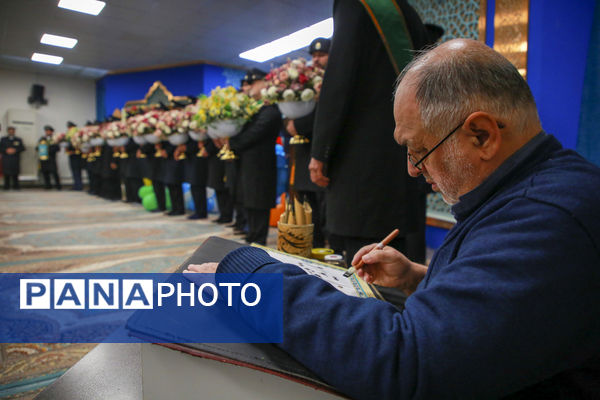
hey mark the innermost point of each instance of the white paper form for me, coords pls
(334, 275)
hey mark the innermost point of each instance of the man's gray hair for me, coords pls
(451, 87)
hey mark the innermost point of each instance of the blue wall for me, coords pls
(559, 35)
(113, 91)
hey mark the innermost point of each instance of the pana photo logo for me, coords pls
(128, 294)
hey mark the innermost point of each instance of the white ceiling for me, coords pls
(130, 34)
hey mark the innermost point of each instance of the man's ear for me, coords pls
(484, 134)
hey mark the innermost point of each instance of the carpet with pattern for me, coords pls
(49, 231)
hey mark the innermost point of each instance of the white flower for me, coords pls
(185, 123)
(289, 95)
(234, 106)
(297, 64)
(193, 124)
(307, 95)
(263, 92)
(293, 73)
(167, 130)
(272, 91)
(141, 128)
(152, 120)
(317, 79)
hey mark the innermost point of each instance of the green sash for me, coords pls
(391, 26)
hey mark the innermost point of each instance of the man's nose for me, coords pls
(412, 171)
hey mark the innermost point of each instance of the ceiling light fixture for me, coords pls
(59, 41)
(46, 58)
(291, 42)
(92, 7)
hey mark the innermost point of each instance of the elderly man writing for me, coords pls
(510, 304)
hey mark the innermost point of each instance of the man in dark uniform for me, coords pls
(11, 148)
(132, 171)
(353, 154)
(173, 178)
(153, 155)
(233, 181)
(195, 172)
(47, 150)
(304, 187)
(217, 180)
(75, 161)
(111, 184)
(255, 145)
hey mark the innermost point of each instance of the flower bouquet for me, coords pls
(225, 112)
(196, 129)
(88, 137)
(60, 139)
(170, 125)
(144, 125)
(294, 86)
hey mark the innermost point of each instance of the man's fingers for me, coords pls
(207, 268)
(363, 250)
(388, 254)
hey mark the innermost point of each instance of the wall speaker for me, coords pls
(37, 96)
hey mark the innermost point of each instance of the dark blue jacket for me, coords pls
(510, 305)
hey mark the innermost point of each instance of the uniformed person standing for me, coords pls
(153, 154)
(369, 192)
(234, 183)
(304, 187)
(255, 145)
(132, 171)
(217, 180)
(195, 172)
(75, 161)
(173, 178)
(11, 147)
(111, 184)
(47, 150)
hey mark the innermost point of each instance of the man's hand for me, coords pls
(206, 268)
(138, 153)
(11, 150)
(316, 173)
(388, 267)
(113, 165)
(290, 127)
(194, 271)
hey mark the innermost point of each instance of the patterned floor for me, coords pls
(50, 231)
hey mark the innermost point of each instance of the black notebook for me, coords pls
(260, 356)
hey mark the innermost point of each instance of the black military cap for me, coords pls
(48, 128)
(254, 74)
(70, 124)
(319, 44)
(245, 79)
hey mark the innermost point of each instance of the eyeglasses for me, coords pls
(417, 164)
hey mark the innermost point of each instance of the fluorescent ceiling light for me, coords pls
(291, 42)
(46, 58)
(92, 7)
(59, 41)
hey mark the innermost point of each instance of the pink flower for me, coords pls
(283, 75)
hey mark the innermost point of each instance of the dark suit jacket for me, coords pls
(370, 192)
(255, 146)
(11, 162)
(304, 127)
(195, 169)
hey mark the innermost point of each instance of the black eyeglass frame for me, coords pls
(416, 164)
